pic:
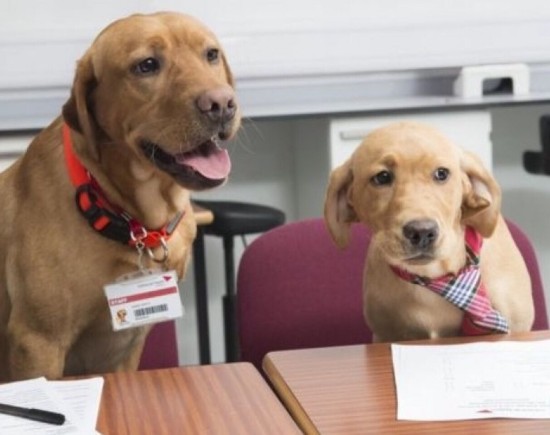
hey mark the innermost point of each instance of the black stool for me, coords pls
(233, 219)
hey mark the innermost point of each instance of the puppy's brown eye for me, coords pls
(147, 66)
(441, 174)
(383, 178)
(212, 55)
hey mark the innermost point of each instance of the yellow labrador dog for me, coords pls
(150, 100)
(434, 211)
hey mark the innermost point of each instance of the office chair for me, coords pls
(298, 290)
(231, 219)
(161, 347)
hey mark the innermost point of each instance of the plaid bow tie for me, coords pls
(466, 291)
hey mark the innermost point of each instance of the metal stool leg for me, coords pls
(230, 303)
(201, 297)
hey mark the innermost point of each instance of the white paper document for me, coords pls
(507, 379)
(77, 400)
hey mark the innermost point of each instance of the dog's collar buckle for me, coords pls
(100, 219)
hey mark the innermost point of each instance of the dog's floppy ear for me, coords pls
(481, 198)
(76, 111)
(338, 212)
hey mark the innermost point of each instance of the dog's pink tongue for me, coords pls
(214, 165)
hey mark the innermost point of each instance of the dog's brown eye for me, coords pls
(212, 55)
(147, 67)
(383, 178)
(441, 174)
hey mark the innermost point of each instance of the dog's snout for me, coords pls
(421, 233)
(218, 104)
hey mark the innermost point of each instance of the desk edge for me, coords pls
(289, 400)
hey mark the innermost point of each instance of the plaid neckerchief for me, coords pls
(465, 290)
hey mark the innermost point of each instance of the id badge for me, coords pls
(147, 298)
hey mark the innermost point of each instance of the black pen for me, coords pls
(33, 414)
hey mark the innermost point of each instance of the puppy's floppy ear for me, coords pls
(76, 111)
(338, 212)
(481, 198)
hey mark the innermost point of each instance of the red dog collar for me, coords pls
(102, 216)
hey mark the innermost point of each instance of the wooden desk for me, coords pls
(351, 389)
(215, 399)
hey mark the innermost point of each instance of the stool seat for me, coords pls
(233, 218)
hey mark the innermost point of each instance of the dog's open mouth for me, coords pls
(208, 165)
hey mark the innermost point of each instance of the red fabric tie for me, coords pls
(466, 291)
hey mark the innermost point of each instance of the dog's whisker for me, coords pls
(246, 140)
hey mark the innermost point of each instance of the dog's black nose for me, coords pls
(421, 233)
(218, 104)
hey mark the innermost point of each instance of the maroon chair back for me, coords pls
(296, 289)
(161, 347)
(528, 252)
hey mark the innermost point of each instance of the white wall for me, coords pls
(291, 57)
(287, 37)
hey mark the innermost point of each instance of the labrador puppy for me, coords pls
(424, 198)
(151, 98)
